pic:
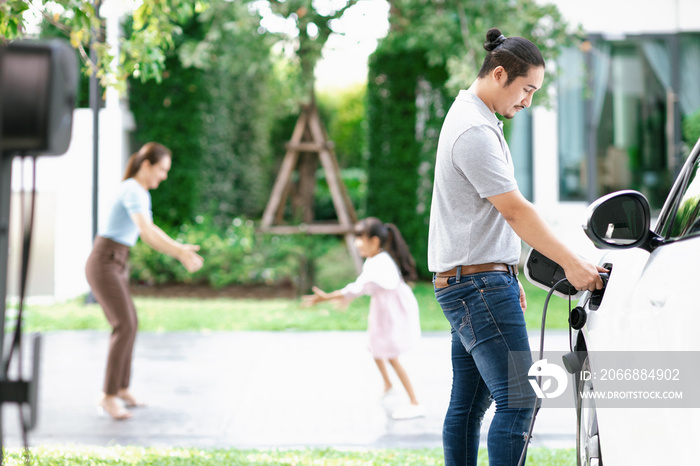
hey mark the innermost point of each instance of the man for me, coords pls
(478, 218)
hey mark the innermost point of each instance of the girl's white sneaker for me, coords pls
(408, 412)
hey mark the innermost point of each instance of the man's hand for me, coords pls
(584, 276)
(523, 299)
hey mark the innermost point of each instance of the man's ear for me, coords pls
(499, 75)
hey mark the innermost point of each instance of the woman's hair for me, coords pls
(151, 151)
(515, 54)
(391, 241)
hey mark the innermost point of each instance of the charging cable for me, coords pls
(538, 401)
(16, 343)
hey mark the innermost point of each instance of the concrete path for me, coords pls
(252, 390)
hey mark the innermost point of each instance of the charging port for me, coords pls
(597, 295)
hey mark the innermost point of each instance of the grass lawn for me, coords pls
(333, 270)
(85, 456)
(226, 314)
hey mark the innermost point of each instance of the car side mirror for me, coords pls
(621, 220)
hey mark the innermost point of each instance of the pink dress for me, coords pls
(393, 322)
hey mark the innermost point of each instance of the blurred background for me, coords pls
(222, 84)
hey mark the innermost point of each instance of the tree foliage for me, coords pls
(215, 114)
(406, 102)
(451, 33)
(157, 26)
(238, 161)
(343, 112)
(213, 102)
(313, 21)
(170, 112)
(691, 128)
(142, 53)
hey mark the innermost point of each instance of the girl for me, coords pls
(393, 322)
(107, 266)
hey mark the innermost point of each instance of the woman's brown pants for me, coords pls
(107, 273)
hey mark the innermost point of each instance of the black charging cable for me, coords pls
(538, 401)
(605, 277)
(26, 230)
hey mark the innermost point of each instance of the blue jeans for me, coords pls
(487, 328)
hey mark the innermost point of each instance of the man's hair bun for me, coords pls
(494, 38)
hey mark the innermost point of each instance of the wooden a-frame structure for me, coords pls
(310, 143)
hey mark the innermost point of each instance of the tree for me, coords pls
(156, 25)
(313, 26)
(213, 110)
(142, 53)
(235, 142)
(343, 111)
(406, 102)
(170, 111)
(313, 22)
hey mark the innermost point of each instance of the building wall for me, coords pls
(616, 17)
(62, 237)
(613, 19)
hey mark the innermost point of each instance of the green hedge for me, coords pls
(406, 104)
(235, 178)
(170, 113)
(343, 113)
(355, 181)
(215, 115)
(236, 254)
(691, 128)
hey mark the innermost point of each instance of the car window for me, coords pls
(686, 221)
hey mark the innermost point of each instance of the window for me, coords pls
(684, 216)
(613, 100)
(571, 125)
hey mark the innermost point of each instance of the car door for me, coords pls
(651, 304)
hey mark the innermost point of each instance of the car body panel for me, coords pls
(651, 303)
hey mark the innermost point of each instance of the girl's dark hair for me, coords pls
(515, 54)
(151, 151)
(391, 241)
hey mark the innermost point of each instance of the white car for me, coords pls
(649, 306)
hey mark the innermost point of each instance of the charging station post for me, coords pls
(38, 88)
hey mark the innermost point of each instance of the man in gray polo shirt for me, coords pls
(477, 220)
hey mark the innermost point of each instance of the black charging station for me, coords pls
(545, 273)
(38, 88)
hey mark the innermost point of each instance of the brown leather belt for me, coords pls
(442, 277)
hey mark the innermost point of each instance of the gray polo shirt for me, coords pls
(473, 163)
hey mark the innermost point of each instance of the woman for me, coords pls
(107, 267)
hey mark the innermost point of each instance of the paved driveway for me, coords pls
(251, 390)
